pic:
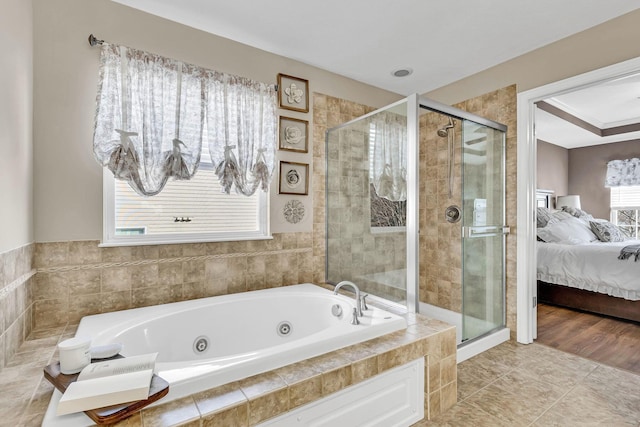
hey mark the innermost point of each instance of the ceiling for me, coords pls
(607, 107)
(441, 41)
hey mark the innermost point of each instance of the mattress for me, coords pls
(591, 266)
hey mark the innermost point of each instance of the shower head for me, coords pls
(444, 131)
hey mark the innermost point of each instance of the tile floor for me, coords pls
(535, 385)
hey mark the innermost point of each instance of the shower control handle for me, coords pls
(452, 214)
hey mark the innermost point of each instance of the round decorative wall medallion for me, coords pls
(293, 211)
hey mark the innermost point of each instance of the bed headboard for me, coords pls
(544, 198)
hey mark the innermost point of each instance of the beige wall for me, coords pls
(605, 44)
(16, 175)
(68, 181)
(552, 171)
(16, 164)
(587, 171)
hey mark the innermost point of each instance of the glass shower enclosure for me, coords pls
(415, 212)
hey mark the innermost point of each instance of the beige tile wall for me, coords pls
(440, 241)
(440, 246)
(78, 278)
(16, 283)
(328, 112)
(355, 253)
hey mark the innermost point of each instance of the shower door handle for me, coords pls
(485, 231)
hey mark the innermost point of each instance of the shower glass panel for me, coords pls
(483, 231)
(366, 203)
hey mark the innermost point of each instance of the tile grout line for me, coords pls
(565, 394)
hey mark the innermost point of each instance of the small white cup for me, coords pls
(74, 354)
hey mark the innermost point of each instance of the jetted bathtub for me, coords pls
(208, 342)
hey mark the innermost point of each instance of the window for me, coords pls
(386, 215)
(179, 139)
(625, 209)
(185, 211)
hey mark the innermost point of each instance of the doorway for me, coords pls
(526, 177)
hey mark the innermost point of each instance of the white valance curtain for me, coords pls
(154, 112)
(389, 156)
(241, 129)
(623, 173)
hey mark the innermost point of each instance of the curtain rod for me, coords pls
(93, 41)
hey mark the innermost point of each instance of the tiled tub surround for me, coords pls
(16, 282)
(250, 401)
(79, 278)
(243, 332)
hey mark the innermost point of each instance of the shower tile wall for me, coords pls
(440, 241)
(16, 282)
(355, 253)
(440, 246)
(78, 278)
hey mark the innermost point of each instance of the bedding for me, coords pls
(592, 266)
(570, 231)
(607, 232)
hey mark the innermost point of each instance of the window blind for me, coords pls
(625, 197)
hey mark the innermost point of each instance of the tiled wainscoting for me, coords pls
(78, 278)
(16, 283)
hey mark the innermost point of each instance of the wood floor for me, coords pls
(601, 339)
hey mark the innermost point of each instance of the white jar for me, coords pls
(74, 354)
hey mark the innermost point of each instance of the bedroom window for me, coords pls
(625, 209)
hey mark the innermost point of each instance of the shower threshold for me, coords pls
(471, 347)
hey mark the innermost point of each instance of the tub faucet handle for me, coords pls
(363, 302)
(354, 319)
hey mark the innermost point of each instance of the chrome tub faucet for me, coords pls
(357, 312)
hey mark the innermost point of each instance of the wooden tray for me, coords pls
(112, 414)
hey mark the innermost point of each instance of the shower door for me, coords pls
(483, 229)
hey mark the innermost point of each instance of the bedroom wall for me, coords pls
(552, 168)
(587, 171)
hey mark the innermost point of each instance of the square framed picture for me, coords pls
(293, 93)
(294, 178)
(294, 135)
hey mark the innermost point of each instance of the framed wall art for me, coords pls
(294, 135)
(293, 93)
(294, 178)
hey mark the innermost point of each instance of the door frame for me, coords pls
(526, 183)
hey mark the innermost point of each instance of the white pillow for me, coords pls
(571, 231)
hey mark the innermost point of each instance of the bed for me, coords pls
(576, 269)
